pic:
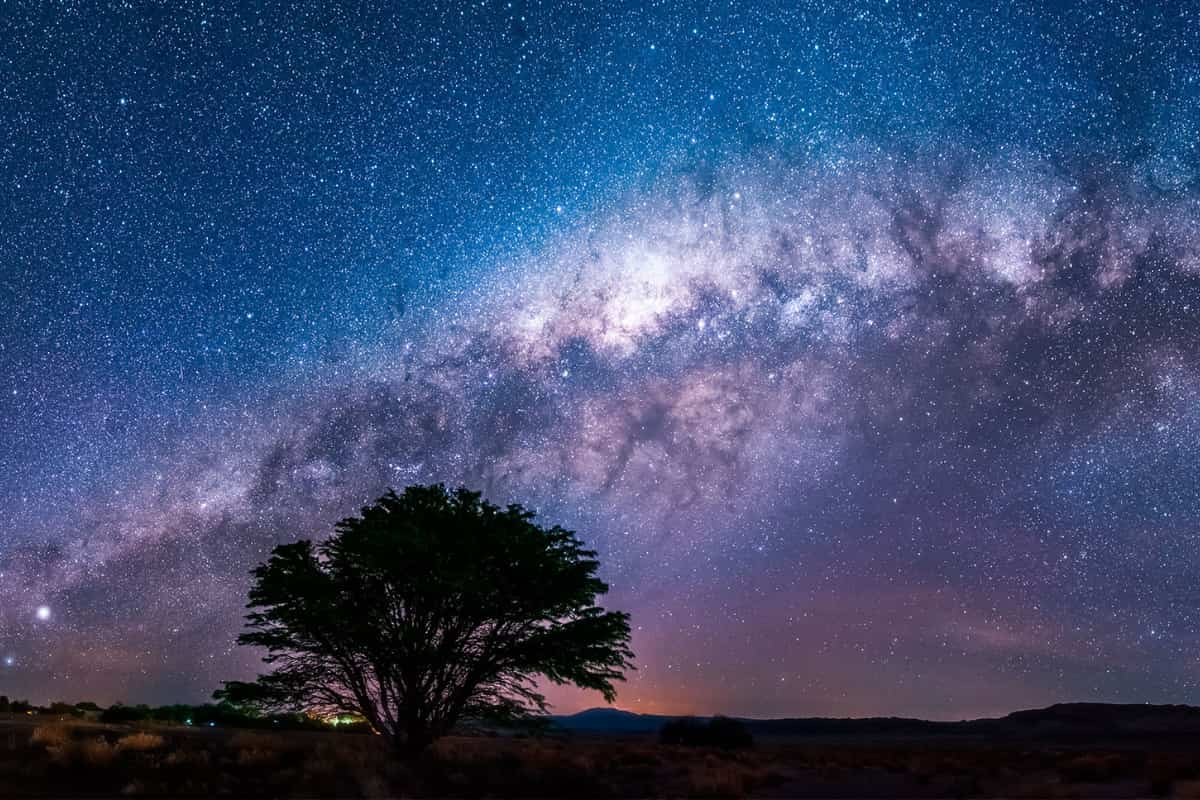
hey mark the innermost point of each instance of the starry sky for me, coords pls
(861, 339)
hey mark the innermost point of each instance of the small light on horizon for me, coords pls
(43, 613)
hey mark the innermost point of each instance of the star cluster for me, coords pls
(862, 341)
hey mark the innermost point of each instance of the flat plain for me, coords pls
(46, 757)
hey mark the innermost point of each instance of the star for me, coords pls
(912, 310)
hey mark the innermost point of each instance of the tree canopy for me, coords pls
(430, 607)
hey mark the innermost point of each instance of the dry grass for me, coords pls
(188, 759)
(51, 735)
(141, 742)
(69, 760)
(258, 750)
(243, 739)
(712, 778)
(95, 752)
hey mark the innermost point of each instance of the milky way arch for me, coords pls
(851, 430)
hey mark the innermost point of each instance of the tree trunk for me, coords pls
(411, 744)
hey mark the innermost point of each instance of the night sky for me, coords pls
(862, 340)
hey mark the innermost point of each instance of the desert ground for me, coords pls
(60, 758)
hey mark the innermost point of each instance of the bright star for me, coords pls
(43, 613)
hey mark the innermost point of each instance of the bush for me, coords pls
(687, 731)
(716, 732)
(51, 735)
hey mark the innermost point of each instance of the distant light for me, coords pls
(9, 661)
(43, 613)
(212, 724)
(187, 721)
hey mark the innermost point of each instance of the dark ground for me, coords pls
(41, 757)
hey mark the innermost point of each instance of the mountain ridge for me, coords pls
(1062, 719)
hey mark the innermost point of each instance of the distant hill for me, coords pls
(1106, 718)
(1060, 720)
(611, 720)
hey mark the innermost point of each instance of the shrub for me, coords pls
(687, 731)
(727, 732)
(716, 732)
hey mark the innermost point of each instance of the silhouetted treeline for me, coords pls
(211, 715)
(206, 715)
(715, 732)
(15, 706)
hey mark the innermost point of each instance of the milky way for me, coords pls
(864, 344)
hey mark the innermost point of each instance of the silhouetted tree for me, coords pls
(119, 712)
(429, 608)
(728, 732)
(4, 703)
